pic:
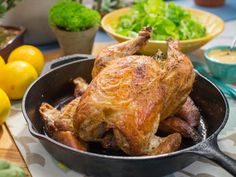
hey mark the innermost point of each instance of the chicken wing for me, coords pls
(80, 86)
(58, 124)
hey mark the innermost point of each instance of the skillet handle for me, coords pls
(64, 60)
(211, 150)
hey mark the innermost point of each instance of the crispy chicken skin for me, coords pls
(120, 50)
(128, 100)
(175, 124)
(58, 124)
(129, 97)
(183, 122)
(80, 86)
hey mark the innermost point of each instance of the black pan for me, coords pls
(56, 86)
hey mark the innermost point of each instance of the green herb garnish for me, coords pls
(166, 19)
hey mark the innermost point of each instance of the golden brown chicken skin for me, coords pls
(130, 96)
(120, 50)
(128, 100)
(59, 123)
(189, 112)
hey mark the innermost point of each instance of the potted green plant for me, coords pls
(74, 25)
(10, 36)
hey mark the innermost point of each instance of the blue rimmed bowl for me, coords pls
(221, 70)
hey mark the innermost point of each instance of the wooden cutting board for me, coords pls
(8, 148)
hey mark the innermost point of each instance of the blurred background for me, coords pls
(33, 14)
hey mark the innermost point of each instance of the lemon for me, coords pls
(15, 77)
(2, 62)
(5, 106)
(29, 54)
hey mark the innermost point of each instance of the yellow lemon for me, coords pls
(2, 62)
(5, 106)
(15, 77)
(29, 54)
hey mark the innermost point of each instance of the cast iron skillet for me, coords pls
(56, 86)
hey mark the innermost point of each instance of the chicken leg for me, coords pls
(120, 50)
(59, 123)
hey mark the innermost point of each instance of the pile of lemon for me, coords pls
(24, 65)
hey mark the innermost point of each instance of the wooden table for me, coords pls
(8, 148)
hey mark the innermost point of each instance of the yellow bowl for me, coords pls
(213, 24)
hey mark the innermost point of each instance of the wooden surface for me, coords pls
(8, 148)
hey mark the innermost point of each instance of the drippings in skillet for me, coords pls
(130, 98)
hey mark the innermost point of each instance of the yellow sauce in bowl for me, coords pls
(223, 56)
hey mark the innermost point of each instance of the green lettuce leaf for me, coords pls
(166, 19)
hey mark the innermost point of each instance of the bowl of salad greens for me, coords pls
(192, 27)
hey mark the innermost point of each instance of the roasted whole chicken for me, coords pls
(129, 99)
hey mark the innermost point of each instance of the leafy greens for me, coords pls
(166, 19)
